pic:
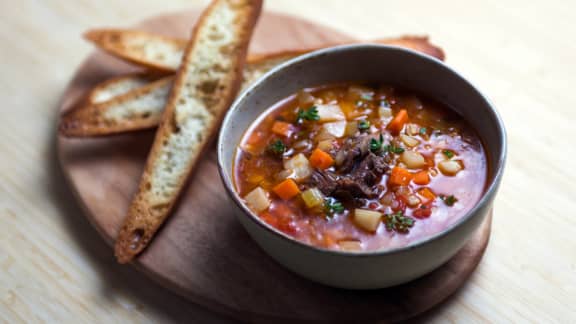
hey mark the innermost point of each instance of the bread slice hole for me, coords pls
(136, 238)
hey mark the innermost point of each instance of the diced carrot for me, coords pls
(286, 189)
(400, 177)
(396, 125)
(282, 128)
(421, 178)
(320, 159)
(329, 241)
(255, 138)
(426, 193)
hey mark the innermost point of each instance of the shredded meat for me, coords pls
(357, 174)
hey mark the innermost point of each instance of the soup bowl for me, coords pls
(365, 63)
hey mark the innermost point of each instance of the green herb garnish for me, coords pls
(422, 131)
(449, 154)
(277, 147)
(310, 114)
(393, 149)
(397, 222)
(332, 206)
(363, 125)
(376, 145)
(367, 96)
(449, 200)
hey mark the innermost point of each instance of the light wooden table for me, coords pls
(55, 268)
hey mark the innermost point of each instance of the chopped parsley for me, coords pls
(449, 154)
(277, 147)
(310, 114)
(363, 125)
(397, 222)
(449, 200)
(332, 206)
(393, 149)
(422, 130)
(367, 96)
(376, 144)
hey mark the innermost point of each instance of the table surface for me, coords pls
(54, 267)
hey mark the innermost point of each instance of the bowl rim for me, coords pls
(227, 180)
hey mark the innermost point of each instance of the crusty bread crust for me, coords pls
(141, 108)
(137, 109)
(205, 85)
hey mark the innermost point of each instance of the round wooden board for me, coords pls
(202, 252)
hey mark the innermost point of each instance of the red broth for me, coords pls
(360, 167)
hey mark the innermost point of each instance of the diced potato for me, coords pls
(450, 167)
(412, 129)
(367, 219)
(384, 112)
(413, 160)
(336, 128)
(312, 197)
(351, 128)
(328, 113)
(257, 200)
(409, 140)
(325, 145)
(349, 245)
(299, 165)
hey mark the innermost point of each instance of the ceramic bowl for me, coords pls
(371, 63)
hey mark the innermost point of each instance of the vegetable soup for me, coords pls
(360, 167)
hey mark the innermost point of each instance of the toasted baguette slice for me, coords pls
(164, 53)
(117, 86)
(141, 108)
(137, 109)
(205, 85)
(149, 50)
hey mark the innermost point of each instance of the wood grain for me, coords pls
(55, 268)
(202, 252)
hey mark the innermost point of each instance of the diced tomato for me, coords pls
(424, 211)
(398, 205)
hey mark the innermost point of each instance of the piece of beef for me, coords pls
(353, 150)
(359, 183)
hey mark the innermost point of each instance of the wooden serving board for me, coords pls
(202, 252)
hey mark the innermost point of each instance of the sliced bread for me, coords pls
(205, 85)
(141, 107)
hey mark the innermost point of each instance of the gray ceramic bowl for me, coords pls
(386, 64)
